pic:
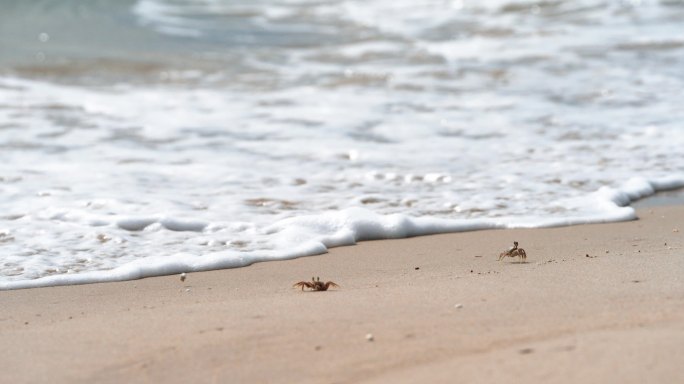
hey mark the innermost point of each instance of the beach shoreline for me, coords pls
(593, 303)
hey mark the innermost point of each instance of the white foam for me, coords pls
(315, 234)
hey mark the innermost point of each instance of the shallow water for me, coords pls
(163, 136)
(662, 199)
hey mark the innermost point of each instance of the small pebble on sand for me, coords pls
(369, 337)
(458, 306)
(182, 276)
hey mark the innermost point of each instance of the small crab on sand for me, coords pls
(514, 252)
(315, 284)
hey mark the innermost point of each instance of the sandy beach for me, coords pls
(592, 304)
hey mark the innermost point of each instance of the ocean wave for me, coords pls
(227, 133)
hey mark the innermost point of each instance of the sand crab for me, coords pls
(514, 252)
(315, 284)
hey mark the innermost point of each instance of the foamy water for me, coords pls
(181, 136)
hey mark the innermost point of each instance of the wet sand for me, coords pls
(593, 303)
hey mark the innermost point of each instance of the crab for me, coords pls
(514, 252)
(315, 284)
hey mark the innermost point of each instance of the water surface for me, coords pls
(163, 136)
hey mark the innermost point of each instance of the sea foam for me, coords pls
(315, 234)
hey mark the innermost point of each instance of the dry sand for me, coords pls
(440, 308)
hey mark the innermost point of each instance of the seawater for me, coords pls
(141, 138)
